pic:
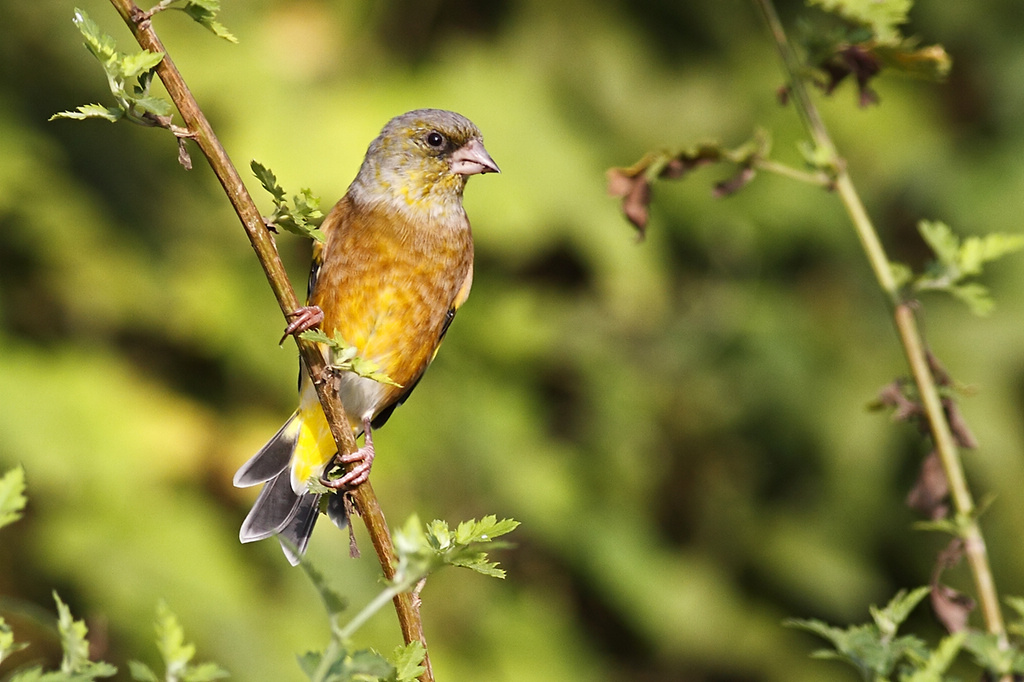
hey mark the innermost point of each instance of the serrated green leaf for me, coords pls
(883, 17)
(142, 672)
(73, 637)
(133, 65)
(170, 639)
(889, 618)
(267, 179)
(407, 661)
(976, 251)
(204, 672)
(204, 13)
(99, 43)
(12, 496)
(153, 105)
(944, 244)
(933, 667)
(976, 296)
(91, 111)
(368, 664)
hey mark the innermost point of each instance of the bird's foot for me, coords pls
(303, 319)
(359, 464)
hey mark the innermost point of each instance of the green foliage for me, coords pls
(883, 17)
(303, 218)
(202, 11)
(420, 552)
(176, 654)
(876, 651)
(129, 77)
(75, 665)
(344, 358)
(12, 495)
(956, 262)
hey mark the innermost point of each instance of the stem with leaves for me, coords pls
(907, 328)
(262, 242)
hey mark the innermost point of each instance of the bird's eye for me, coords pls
(435, 139)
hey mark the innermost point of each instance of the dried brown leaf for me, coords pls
(928, 496)
(952, 608)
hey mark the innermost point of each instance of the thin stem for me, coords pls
(907, 327)
(811, 178)
(266, 251)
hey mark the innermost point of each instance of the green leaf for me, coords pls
(883, 17)
(135, 102)
(99, 43)
(204, 12)
(976, 296)
(343, 357)
(933, 667)
(142, 672)
(873, 648)
(73, 637)
(12, 496)
(301, 218)
(177, 654)
(91, 111)
(989, 653)
(134, 65)
(956, 261)
(890, 618)
(408, 660)
(944, 244)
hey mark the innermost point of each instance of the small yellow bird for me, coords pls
(396, 265)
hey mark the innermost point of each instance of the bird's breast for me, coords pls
(386, 284)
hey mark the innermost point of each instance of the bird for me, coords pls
(395, 265)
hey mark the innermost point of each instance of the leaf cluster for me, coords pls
(203, 12)
(879, 654)
(877, 651)
(420, 551)
(345, 358)
(956, 262)
(301, 217)
(177, 655)
(129, 77)
(76, 666)
(861, 39)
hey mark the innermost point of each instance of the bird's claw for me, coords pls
(360, 462)
(303, 319)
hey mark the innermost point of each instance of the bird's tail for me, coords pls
(278, 510)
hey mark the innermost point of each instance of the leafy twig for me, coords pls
(906, 325)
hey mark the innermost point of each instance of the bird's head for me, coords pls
(421, 160)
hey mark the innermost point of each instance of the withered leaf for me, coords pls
(928, 496)
(951, 607)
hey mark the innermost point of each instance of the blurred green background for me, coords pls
(680, 425)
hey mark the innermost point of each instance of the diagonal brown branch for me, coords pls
(262, 242)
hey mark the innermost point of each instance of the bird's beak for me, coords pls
(471, 158)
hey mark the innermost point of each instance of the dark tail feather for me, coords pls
(272, 459)
(278, 510)
(295, 536)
